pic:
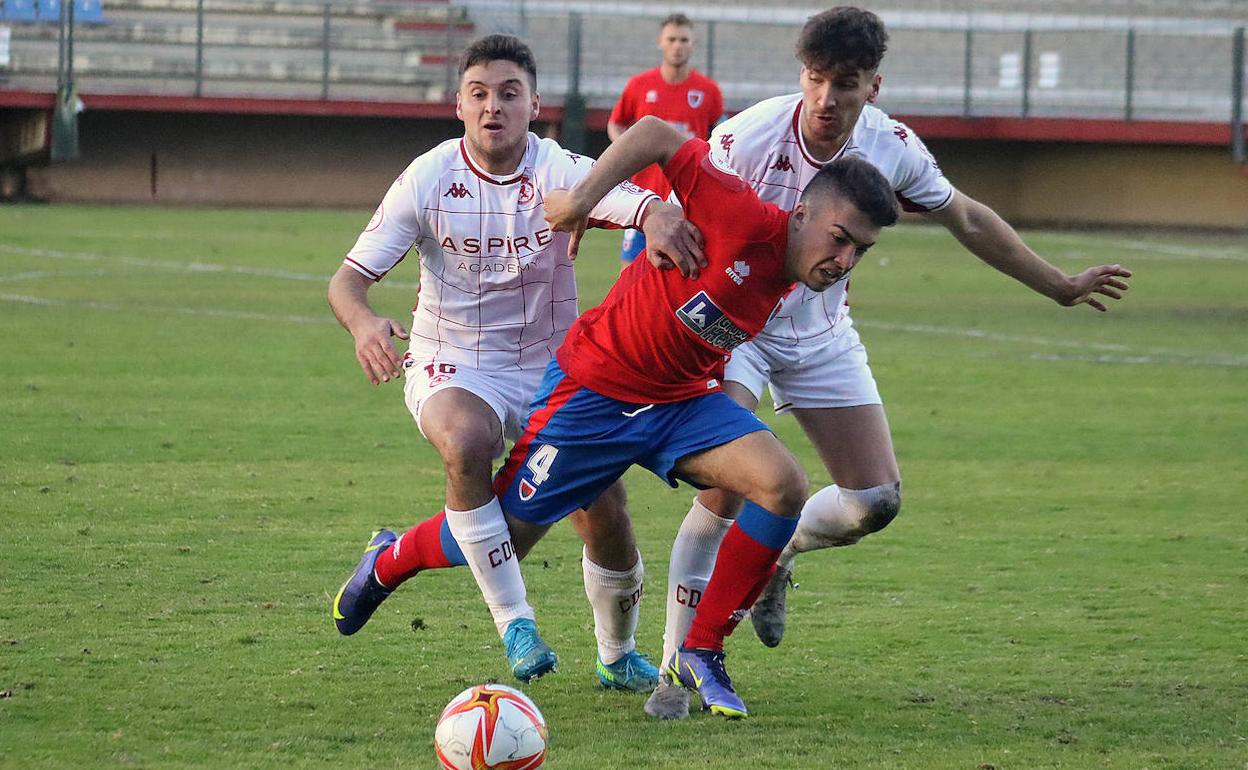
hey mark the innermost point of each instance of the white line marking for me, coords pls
(206, 312)
(1127, 354)
(184, 267)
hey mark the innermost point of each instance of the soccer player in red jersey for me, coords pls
(673, 91)
(637, 380)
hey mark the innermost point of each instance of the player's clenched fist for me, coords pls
(567, 213)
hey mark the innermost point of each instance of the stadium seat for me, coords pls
(88, 11)
(19, 10)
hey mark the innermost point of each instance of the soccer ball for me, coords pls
(490, 726)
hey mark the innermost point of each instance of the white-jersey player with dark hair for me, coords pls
(497, 296)
(809, 353)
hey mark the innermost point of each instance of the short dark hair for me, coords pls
(679, 19)
(841, 36)
(499, 47)
(860, 182)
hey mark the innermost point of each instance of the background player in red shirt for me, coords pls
(637, 380)
(673, 91)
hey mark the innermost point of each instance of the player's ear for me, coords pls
(800, 214)
(536, 106)
(458, 110)
(876, 80)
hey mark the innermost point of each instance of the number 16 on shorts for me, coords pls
(538, 468)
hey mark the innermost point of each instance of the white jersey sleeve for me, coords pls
(397, 225)
(621, 207)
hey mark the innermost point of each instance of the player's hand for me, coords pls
(566, 214)
(673, 241)
(1106, 280)
(375, 351)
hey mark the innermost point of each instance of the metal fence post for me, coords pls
(710, 49)
(572, 133)
(1027, 73)
(65, 113)
(325, 54)
(199, 47)
(968, 62)
(1129, 112)
(1238, 151)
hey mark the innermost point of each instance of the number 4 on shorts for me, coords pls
(539, 468)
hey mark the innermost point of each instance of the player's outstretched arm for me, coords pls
(348, 297)
(649, 140)
(986, 235)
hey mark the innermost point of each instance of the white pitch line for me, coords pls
(185, 267)
(205, 312)
(1112, 352)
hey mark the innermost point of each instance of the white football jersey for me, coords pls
(497, 289)
(764, 145)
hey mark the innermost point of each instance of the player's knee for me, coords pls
(783, 491)
(874, 508)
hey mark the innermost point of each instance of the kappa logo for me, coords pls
(725, 143)
(739, 271)
(457, 191)
(782, 164)
(901, 133)
(696, 98)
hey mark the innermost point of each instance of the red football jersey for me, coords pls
(659, 337)
(693, 105)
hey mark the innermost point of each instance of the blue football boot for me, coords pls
(360, 596)
(632, 672)
(703, 671)
(528, 655)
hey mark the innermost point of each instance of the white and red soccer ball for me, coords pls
(490, 727)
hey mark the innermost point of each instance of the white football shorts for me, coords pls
(813, 376)
(508, 393)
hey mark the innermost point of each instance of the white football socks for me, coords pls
(615, 597)
(483, 537)
(693, 560)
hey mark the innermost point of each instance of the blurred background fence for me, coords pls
(1123, 59)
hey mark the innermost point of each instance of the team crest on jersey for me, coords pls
(721, 162)
(379, 216)
(527, 490)
(695, 97)
(526, 190)
(705, 319)
(652, 96)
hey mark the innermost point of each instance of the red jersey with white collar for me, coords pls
(692, 105)
(659, 337)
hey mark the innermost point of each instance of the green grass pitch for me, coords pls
(191, 462)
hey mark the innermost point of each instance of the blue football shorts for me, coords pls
(633, 244)
(577, 442)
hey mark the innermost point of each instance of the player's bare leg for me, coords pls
(856, 447)
(689, 570)
(468, 435)
(759, 468)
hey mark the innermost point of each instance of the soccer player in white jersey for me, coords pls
(809, 353)
(497, 295)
